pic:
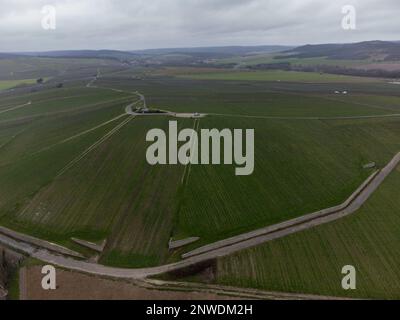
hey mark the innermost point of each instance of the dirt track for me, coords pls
(76, 286)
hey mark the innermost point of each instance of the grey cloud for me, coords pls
(136, 24)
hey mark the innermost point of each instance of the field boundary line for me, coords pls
(94, 146)
(78, 135)
(93, 129)
(16, 107)
(13, 138)
(186, 171)
(22, 284)
(61, 98)
(88, 108)
(362, 104)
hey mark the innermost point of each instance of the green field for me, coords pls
(52, 187)
(254, 98)
(376, 101)
(278, 76)
(311, 261)
(112, 193)
(252, 60)
(320, 165)
(39, 140)
(8, 84)
(42, 67)
(64, 102)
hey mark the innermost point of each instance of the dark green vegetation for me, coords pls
(109, 190)
(311, 261)
(112, 193)
(35, 67)
(301, 167)
(67, 170)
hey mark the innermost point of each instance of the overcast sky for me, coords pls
(139, 24)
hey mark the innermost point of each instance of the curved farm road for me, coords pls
(218, 249)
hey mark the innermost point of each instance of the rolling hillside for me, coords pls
(369, 50)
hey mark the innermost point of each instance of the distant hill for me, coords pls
(374, 50)
(371, 50)
(220, 51)
(100, 54)
(8, 55)
(169, 54)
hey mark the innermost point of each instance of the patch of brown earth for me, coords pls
(77, 286)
